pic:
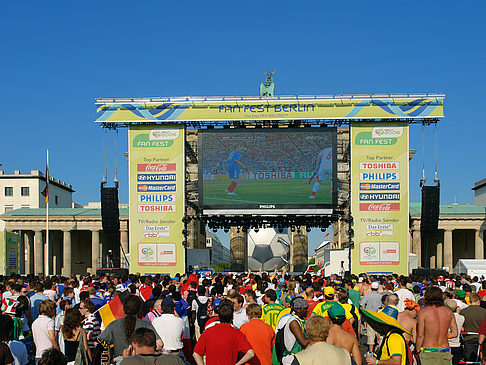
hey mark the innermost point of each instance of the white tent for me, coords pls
(471, 267)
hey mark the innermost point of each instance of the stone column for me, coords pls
(125, 246)
(238, 249)
(439, 255)
(448, 256)
(417, 246)
(39, 253)
(95, 251)
(479, 246)
(298, 251)
(432, 262)
(22, 252)
(29, 259)
(124, 240)
(67, 256)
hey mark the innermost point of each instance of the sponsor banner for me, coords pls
(157, 208)
(253, 108)
(156, 167)
(379, 165)
(379, 253)
(157, 254)
(156, 228)
(379, 186)
(379, 233)
(379, 197)
(156, 176)
(270, 175)
(156, 234)
(379, 226)
(9, 247)
(154, 187)
(379, 176)
(379, 207)
(156, 198)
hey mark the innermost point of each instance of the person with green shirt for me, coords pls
(353, 294)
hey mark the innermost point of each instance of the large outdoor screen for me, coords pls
(267, 171)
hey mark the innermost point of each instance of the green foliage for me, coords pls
(221, 267)
(312, 261)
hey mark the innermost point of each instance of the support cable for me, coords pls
(436, 179)
(422, 182)
(104, 156)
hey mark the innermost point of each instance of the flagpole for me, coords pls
(47, 217)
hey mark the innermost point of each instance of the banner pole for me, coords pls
(47, 218)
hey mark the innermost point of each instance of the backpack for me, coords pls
(190, 297)
(410, 359)
(279, 344)
(202, 313)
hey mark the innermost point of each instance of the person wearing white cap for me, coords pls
(372, 302)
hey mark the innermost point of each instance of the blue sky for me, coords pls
(58, 56)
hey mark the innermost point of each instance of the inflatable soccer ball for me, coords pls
(267, 248)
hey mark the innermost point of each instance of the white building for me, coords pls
(21, 189)
(480, 192)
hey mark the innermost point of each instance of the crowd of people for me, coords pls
(247, 318)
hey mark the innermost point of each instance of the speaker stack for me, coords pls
(429, 220)
(110, 215)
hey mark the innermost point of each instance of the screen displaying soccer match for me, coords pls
(272, 171)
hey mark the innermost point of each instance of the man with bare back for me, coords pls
(434, 322)
(340, 338)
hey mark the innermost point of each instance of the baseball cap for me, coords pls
(451, 304)
(375, 285)
(336, 311)
(461, 294)
(329, 291)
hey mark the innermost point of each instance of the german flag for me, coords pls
(113, 309)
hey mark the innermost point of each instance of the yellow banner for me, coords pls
(285, 108)
(156, 179)
(379, 197)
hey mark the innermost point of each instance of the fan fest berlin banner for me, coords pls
(379, 196)
(157, 177)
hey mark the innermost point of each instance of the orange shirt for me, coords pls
(261, 338)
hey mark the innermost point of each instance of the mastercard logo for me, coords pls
(365, 186)
(142, 188)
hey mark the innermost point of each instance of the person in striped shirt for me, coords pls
(91, 325)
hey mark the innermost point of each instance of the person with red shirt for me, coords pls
(222, 343)
(482, 292)
(260, 336)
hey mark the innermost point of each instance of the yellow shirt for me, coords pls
(321, 308)
(270, 314)
(395, 345)
(347, 308)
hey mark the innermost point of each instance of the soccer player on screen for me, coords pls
(234, 165)
(323, 164)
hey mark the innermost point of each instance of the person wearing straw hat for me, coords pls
(393, 349)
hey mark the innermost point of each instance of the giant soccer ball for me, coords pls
(267, 248)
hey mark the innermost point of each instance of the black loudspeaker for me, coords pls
(112, 271)
(429, 220)
(110, 215)
(425, 273)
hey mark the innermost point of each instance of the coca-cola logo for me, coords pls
(156, 167)
(379, 207)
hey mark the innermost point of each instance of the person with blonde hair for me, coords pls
(317, 329)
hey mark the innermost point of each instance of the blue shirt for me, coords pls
(35, 300)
